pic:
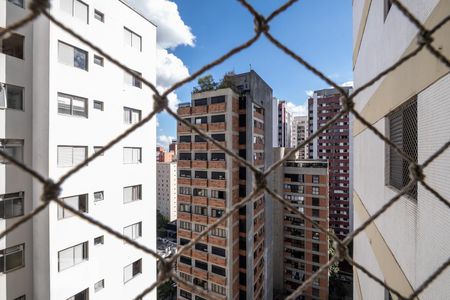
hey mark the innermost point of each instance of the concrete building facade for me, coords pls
(299, 133)
(232, 261)
(166, 189)
(334, 145)
(284, 125)
(411, 105)
(59, 103)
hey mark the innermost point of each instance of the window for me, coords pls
(72, 56)
(315, 247)
(79, 203)
(132, 193)
(315, 178)
(199, 227)
(11, 96)
(11, 205)
(185, 276)
(200, 192)
(69, 156)
(201, 247)
(218, 137)
(201, 283)
(99, 285)
(201, 265)
(219, 232)
(201, 102)
(315, 190)
(218, 251)
(217, 156)
(315, 213)
(23, 297)
(98, 60)
(132, 39)
(184, 208)
(218, 289)
(201, 156)
(72, 256)
(133, 80)
(99, 16)
(315, 201)
(218, 119)
(201, 174)
(99, 196)
(100, 240)
(218, 175)
(19, 3)
(132, 270)
(13, 148)
(183, 241)
(403, 133)
(72, 105)
(133, 231)
(218, 270)
(185, 260)
(76, 8)
(185, 225)
(185, 139)
(132, 155)
(12, 258)
(218, 194)
(217, 99)
(185, 173)
(185, 294)
(12, 45)
(200, 210)
(184, 190)
(83, 295)
(98, 105)
(131, 116)
(217, 213)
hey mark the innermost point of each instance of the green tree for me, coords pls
(161, 223)
(205, 83)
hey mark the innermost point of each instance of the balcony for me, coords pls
(184, 164)
(259, 162)
(200, 219)
(200, 254)
(217, 183)
(219, 203)
(214, 147)
(258, 116)
(197, 200)
(203, 127)
(217, 108)
(200, 146)
(184, 146)
(217, 126)
(184, 233)
(183, 129)
(184, 198)
(217, 260)
(196, 110)
(258, 146)
(217, 241)
(200, 164)
(184, 181)
(218, 164)
(184, 216)
(217, 279)
(184, 111)
(200, 182)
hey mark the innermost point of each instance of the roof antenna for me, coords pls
(250, 67)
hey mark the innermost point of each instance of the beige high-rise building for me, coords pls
(166, 189)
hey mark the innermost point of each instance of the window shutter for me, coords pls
(127, 37)
(66, 54)
(127, 194)
(136, 41)
(127, 155)
(80, 11)
(136, 155)
(78, 253)
(2, 95)
(128, 79)
(79, 107)
(134, 116)
(127, 273)
(64, 156)
(79, 155)
(66, 6)
(395, 160)
(65, 259)
(126, 116)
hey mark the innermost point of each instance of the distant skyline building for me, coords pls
(299, 134)
(334, 145)
(284, 125)
(299, 248)
(234, 260)
(404, 246)
(163, 156)
(61, 102)
(166, 189)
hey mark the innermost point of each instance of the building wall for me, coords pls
(166, 189)
(108, 173)
(406, 241)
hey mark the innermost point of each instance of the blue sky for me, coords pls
(318, 30)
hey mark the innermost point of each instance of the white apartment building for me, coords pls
(166, 189)
(411, 106)
(299, 132)
(60, 101)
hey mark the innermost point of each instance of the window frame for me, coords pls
(100, 14)
(4, 255)
(131, 41)
(139, 193)
(132, 265)
(11, 197)
(61, 210)
(15, 144)
(75, 49)
(73, 147)
(85, 255)
(128, 115)
(73, 97)
(133, 153)
(4, 96)
(17, 37)
(136, 231)
(98, 102)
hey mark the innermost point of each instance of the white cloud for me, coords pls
(296, 110)
(165, 140)
(172, 31)
(309, 93)
(348, 83)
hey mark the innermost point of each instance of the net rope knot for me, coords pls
(37, 6)
(347, 103)
(261, 24)
(340, 250)
(416, 172)
(165, 269)
(424, 38)
(160, 103)
(51, 191)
